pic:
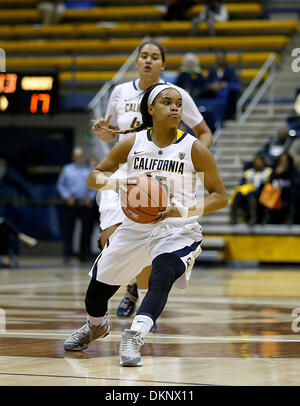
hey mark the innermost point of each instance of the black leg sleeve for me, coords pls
(97, 297)
(166, 268)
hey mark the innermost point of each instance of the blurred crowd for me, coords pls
(269, 191)
(221, 83)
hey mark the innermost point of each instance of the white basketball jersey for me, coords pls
(172, 164)
(124, 106)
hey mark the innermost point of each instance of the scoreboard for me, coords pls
(23, 93)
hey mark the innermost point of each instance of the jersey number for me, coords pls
(135, 123)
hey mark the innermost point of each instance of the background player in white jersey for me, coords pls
(171, 244)
(123, 112)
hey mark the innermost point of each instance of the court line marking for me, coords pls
(214, 300)
(104, 378)
(284, 303)
(43, 284)
(164, 337)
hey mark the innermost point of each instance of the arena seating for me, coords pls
(175, 44)
(250, 59)
(90, 45)
(120, 29)
(102, 68)
(124, 12)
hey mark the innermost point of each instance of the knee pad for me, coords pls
(97, 297)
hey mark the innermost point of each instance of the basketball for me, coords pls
(144, 200)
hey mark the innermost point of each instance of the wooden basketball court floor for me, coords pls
(234, 326)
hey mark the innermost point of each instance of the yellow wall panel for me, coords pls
(268, 248)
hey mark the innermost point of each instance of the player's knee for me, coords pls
(166, 268)
(97, 297)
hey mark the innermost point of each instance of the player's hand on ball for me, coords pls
(171, 211)
(103, 133)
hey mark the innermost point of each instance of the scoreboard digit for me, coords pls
(23, 93)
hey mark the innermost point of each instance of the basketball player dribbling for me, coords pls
(123, 111)
(172, 243)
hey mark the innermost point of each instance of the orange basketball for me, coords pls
(144, 200)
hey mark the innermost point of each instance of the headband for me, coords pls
(155, 92)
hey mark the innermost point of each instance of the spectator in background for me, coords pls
(244, 198)
(283, 178)
(224, 84)
(190, 76)
(7, 232)
(177, 9)
(78, 202)
(276, 146)
(294, 151)
(213, 11)
(52, 11)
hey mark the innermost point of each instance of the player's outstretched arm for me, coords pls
(100, 177)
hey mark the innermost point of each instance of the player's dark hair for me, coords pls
(159, 46)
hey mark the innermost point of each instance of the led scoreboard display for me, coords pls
(23, 93)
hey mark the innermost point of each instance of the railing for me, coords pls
(242, 116)
(242, 113)
(216, 151)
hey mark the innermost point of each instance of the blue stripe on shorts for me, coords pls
(186, 250)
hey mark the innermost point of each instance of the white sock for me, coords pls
(96, 321)
(142, 293)
(142, 324)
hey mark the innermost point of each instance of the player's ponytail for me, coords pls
(147, 121)
(117, 132)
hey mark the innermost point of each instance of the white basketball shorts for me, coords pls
(110, 209)
(133, 246)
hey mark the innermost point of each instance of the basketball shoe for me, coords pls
(81, 338)
(131, 343)
(127, 305)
